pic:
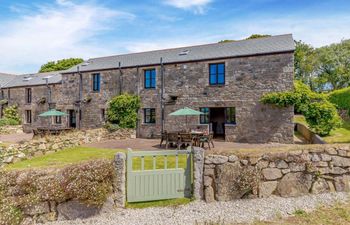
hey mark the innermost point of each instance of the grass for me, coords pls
(336, 215)
(161, 203)
(339, 135)
(80, 154)
(65, 157)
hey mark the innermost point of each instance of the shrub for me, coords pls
(11, 116)
(318, 111)
(341, 98)
(111, 127)
(322, 117)
(123, 109)
(7, 121)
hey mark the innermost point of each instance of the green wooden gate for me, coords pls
(149, 178)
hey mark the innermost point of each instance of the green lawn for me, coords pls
(339, 135)
(65, 157)
(80, 154)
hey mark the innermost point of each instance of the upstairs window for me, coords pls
(150, 78)
(28, 116)
(149, 115)
(230, 115)
(96, 82)
(217, 74)
(204, 118)
(28, 95)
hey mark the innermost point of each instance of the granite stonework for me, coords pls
(187, 84)
(291, 173)
(39, 103)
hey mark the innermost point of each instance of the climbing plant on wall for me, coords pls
(122, 110)
(321, 115)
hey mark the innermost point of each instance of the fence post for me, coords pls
(198, 169)
(119, 185)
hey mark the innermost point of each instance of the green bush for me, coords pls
(111, 127)
(322, 117)
(6, 121)
(11, 116)
(341, 98)
(123, 109)
(318, 111)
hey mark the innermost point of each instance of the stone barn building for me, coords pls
(223, 80)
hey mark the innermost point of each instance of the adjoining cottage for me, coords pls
(224, 80)
(33, 94)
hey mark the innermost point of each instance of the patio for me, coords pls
(153, 144)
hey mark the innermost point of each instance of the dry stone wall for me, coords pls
(52, 143)
(319, 169)
(73, 192)
(11, 129)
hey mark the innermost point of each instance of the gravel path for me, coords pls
(240, 211)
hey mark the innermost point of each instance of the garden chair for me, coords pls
(185, 139)
(171, 138)
(207, 139)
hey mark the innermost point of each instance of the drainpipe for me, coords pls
(80, 97)
(120, 79)
(162, 93)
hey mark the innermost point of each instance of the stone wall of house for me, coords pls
(53, 143)
(38, 105)
(318, 169)
(247, 79)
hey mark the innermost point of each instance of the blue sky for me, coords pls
(37, 31)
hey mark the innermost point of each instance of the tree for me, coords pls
(62, 64)
(305, 62)
(254, 36)
(334, 66)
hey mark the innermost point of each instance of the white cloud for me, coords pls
(57, 31)
(198, 6)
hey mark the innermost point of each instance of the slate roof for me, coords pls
(273, 44)
(33, 79)
(5, 79)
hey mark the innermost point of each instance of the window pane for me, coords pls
(204, 119)
(221, 78)
(213, 79)
(221, 68)
(212, 69)
(231, 115)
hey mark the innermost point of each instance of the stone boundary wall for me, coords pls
(324, 168)
(11, 129)
(310, 136)
(37, 194)
(53, 143)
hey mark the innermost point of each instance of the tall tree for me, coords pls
(334, 66)
(62, 64)
(305, 62)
